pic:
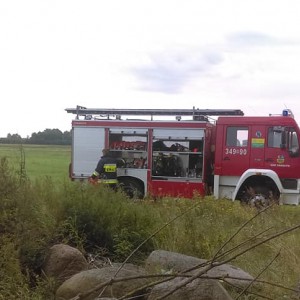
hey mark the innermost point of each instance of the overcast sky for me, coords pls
(145, 54)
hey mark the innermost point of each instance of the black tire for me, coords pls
(132, 188)
(259, 196)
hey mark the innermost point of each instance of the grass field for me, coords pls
(34, 216)
(40, 160)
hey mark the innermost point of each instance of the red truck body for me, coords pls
(248, 158)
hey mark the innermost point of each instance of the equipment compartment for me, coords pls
(130, 145)
(177, 158)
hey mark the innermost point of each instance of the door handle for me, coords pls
(226, 158)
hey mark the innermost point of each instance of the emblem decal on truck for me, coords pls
(258, 134)
(280, 159)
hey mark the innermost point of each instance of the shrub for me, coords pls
(108, 220)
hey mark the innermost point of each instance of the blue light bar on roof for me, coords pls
(287, 113)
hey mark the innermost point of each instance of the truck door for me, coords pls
(258, 142)
(282, 151)
(235, 155)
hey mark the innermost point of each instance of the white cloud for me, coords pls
(169, 71)
(209, 54)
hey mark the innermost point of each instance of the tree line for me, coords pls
(46, 137)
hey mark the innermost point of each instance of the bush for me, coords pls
(108, 220)
(13, 283)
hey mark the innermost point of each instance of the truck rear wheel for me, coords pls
(132, 188)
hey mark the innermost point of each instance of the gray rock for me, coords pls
(199, 289)
(163, 261)
(87, 280)
(63, 261)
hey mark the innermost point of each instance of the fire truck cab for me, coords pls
(257, 158)
(175, 152)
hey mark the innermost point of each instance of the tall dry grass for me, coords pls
(35, 214)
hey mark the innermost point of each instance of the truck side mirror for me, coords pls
(294, 152)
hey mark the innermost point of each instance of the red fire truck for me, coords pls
(179, 152)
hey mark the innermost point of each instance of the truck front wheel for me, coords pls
(259, 196)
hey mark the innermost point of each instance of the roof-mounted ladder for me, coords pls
(195, 112)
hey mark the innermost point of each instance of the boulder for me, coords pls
(63, 261)
(199, 289)
(87, 280)
(160, 261)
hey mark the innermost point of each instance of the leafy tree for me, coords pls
(51, 137)
(14, 138)
(46, 137)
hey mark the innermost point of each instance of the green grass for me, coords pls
(40, 161)
(51, 209)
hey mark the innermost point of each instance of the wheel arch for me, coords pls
(252, 177)
(140, 181)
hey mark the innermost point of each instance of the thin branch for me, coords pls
(258, 275)
(251, 293)
(207, 266)
(98, 287)
(241, 244)
(239, 229)
(225, 253)
(261, 242)
(216, 256)
(182, 275)
(214, 264)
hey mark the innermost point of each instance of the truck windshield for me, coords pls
(292, 141)
(285, 138)
(274, 137)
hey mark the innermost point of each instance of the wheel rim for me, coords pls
(258, 196)
(259, 200)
